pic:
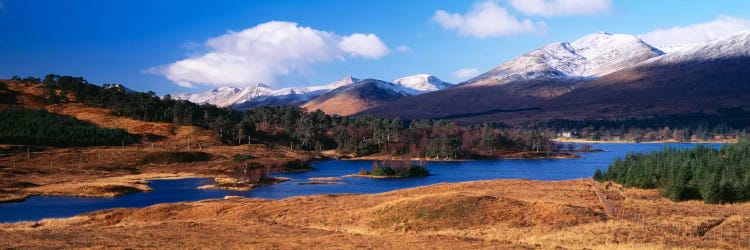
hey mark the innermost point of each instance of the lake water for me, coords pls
(165, 191)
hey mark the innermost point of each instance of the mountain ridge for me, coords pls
(260, 94)
(711, 75)
(585, 58)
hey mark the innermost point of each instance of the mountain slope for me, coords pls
(702, 79)
(422, 83)
(588, 57)
(470, 99)
(361, 95)
(528, 81)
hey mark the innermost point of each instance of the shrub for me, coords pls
(398, 169)
(243, 157)
(296, 165)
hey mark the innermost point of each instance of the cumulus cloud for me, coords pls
(561, 7)
(696, 33)
(403, 49)
(364, 45)
(487, 19)
(465, 74)
(261, 53)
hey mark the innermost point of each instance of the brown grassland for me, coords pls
(485, 214)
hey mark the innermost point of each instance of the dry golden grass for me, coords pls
(486, 214)
(176, 135)
(107, 171)
(344, 104)
(105, 187)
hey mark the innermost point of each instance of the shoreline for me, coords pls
(102, 188)
(513, 156)
(566, 140)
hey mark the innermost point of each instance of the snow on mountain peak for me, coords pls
(260, 85)
(347, 80)
(422, 83)
(733, 46)
(588, 57)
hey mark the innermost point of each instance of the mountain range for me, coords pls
(262, 95)
(621, 78)
(599, 76)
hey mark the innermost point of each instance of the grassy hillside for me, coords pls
(473, 215)
(42, 128)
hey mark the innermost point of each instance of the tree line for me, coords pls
(712, 175)
(146, 106)
(727, 123)
(367, 135)
(41, 128)
(299, 129)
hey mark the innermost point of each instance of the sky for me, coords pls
(175, 46)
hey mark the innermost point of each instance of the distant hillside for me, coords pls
(422, 83)
(589, 57)
(262, 95)
(704, 79)
(359, 96)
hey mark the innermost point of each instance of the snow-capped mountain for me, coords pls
(379, 83)
(588, 57)
(245, 98)
(226, 96)
(359, 96)
(736, 45)
(260, 94)
(669, 49)
(422, 83)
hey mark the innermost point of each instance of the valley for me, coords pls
(348, 125)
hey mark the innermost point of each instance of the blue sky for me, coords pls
(138, 42)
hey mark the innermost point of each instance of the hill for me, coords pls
(33, 96)
(361, 95)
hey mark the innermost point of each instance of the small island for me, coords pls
(250, 175)
(394, 169)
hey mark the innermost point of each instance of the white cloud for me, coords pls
(487, 19)
(465, 74)
(403, 49)
(696, 33)
(261, 53)
(561, 7)
(361, 45)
